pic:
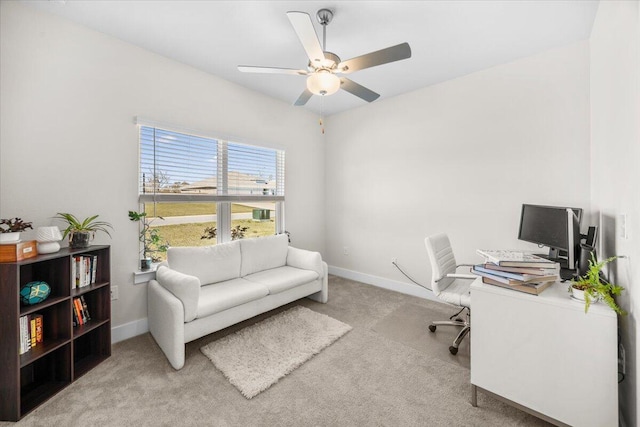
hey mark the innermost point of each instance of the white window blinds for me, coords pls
(180, 167)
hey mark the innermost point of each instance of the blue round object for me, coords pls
(34, 292)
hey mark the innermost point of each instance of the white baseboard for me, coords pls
(381, 282)
(129, 330)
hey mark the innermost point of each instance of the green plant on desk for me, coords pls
(595, 288)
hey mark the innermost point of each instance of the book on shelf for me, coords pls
(85, 309)
(73, 273)
(76, 321)
(94, 268)
(507, 258)
(39, 328)
(530, 288)
(32, 331)
(25, 345)
(518, 277)
(78, 311)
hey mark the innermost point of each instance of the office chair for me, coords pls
(449, 286)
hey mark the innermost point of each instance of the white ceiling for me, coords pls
(448, 39)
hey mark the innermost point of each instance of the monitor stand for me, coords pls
(566, 274)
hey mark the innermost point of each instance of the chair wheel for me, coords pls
(453, 350)
(432, 328)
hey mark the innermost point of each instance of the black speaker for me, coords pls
(592, 236)
(586, 252)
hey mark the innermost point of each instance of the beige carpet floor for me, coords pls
(389, 370)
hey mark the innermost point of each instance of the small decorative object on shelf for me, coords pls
(10, 229)
(82, 232)
(152, 242)
(11, 252)
(592, 287)
(34, 292)
(48, 239)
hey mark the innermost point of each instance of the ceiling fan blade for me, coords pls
(307, 34)
(358, 90)
(303, 98)
(271, 70)
(379, 57)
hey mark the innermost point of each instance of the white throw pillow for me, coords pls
(210, 264)
(263, 253)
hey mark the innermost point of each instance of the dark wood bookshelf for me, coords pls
(67, 352)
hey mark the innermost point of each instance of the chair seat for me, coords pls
(458, 293)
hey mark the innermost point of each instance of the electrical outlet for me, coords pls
(623, 232)
(114, 293)
(345, 251)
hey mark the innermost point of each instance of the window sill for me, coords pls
(141, 276)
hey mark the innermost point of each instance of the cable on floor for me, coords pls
(456, 315)
(409, 277)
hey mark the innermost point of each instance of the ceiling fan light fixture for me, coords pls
(323, 83)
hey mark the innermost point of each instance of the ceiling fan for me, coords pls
(323, 67)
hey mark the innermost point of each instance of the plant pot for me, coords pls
(80, 240)
(579, 295)
(145, 264)
(12, 237)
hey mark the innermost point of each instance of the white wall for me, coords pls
(615, 110)
(459, 157)
(68, 143)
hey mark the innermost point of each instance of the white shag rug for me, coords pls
(256, 357)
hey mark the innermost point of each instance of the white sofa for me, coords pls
(200, 290)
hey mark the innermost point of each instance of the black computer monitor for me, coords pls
(556, 227)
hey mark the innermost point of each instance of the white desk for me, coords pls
(544, 354)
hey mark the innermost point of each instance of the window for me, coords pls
(199, 191)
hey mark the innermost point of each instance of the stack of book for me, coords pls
(516, 270)
(80, 311)
(31, 327)
(83, 270)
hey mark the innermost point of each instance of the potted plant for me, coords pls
(82, 232)
(591, 287)
(152, 242)
(10, 229)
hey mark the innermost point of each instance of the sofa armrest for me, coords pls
(166, 322)
(185, 287)
(306, 260)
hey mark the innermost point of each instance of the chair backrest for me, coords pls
(442, 260)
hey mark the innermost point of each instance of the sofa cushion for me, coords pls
(224, 295)
(263, 253)
(185, 287)
(210, 264)
(282, 278)
(306, 260)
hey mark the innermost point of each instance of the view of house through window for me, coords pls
(191, 184)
